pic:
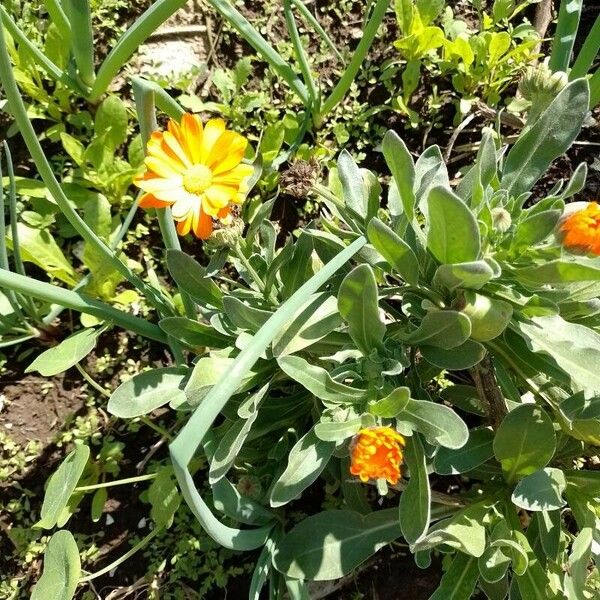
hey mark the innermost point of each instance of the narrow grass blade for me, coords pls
(145, 25)
(566, 32)
(587, 54)
(595, 89)
(80, 302)
(369, 33)
(300, 53)
(82, 44)
(190, 438)
(258, 42)
(59, 18)
(312, 21)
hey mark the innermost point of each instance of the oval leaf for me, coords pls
(147, 391)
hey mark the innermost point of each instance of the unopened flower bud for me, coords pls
(501, 219)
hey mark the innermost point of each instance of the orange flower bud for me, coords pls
(377, 454)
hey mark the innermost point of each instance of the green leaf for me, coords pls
(333, 543)
(574, 347)
(233, 440)
(547, 139)
(392, 405)
(470, 275)
(98, 501)
(358, 305)
(352, 184)
(560, 271)
(39, 248)
(146, 391)
(438, 423)
(191, 277)
(61, 486)
(244, 316)
(334, 431)
(441, 328)
(318, 381)
(112, 121)
(164, 497)
(541, 490)
(452, 230)
(402, 167)
(74, 148)
(549, 531)
(464, 531)
(62, 569)
(460, 358)
(298, 269)
(477, 450)
(524, 442)
(535, 228)
(315, 320)
(458, 582)
(394, 250)
(306, 461)
(577, 566)
(430, 172)
(67, 354)
(579, 408)
(533, 582)
(415, 500)
(489, 317)
(194, 334)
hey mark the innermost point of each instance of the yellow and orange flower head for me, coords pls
(580, 229)
(377, 453)
(197, 170)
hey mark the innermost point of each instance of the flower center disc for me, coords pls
(197, 179)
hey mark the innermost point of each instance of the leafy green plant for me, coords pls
(478, 64)
(347, 329)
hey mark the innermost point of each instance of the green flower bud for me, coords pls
(501, 219)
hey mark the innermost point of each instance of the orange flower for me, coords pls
(581, 230)
(377, 454)
(196, 170)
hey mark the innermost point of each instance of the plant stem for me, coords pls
(161, 430)
(92, 381)
(80, 302)
(122, 559)
(106, 484)
(488, 390)
(237, 249)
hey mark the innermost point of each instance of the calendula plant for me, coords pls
(450, 331)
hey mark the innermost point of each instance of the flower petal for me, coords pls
(192, 133)
(149, 201)
(202, 225)
(212, 131)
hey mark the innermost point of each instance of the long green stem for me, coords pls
(79, 302)
(122, 559)
(301, 56)
(92, 381)
(26, 302)
(566, 32)
(59, 18)
(19, 112)
(312, 21)
(587, 54)
(82, 43)
(369, 33)
(145, 25)
(160, 430)
(258, 280)
(106, 484)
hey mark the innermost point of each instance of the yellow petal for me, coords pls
(163, 166)
(158, 184)
(228, 152)
(174, 195)
(184, 206)
(235, 176)
(174, 145)
(192, 133)
(212, 131)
